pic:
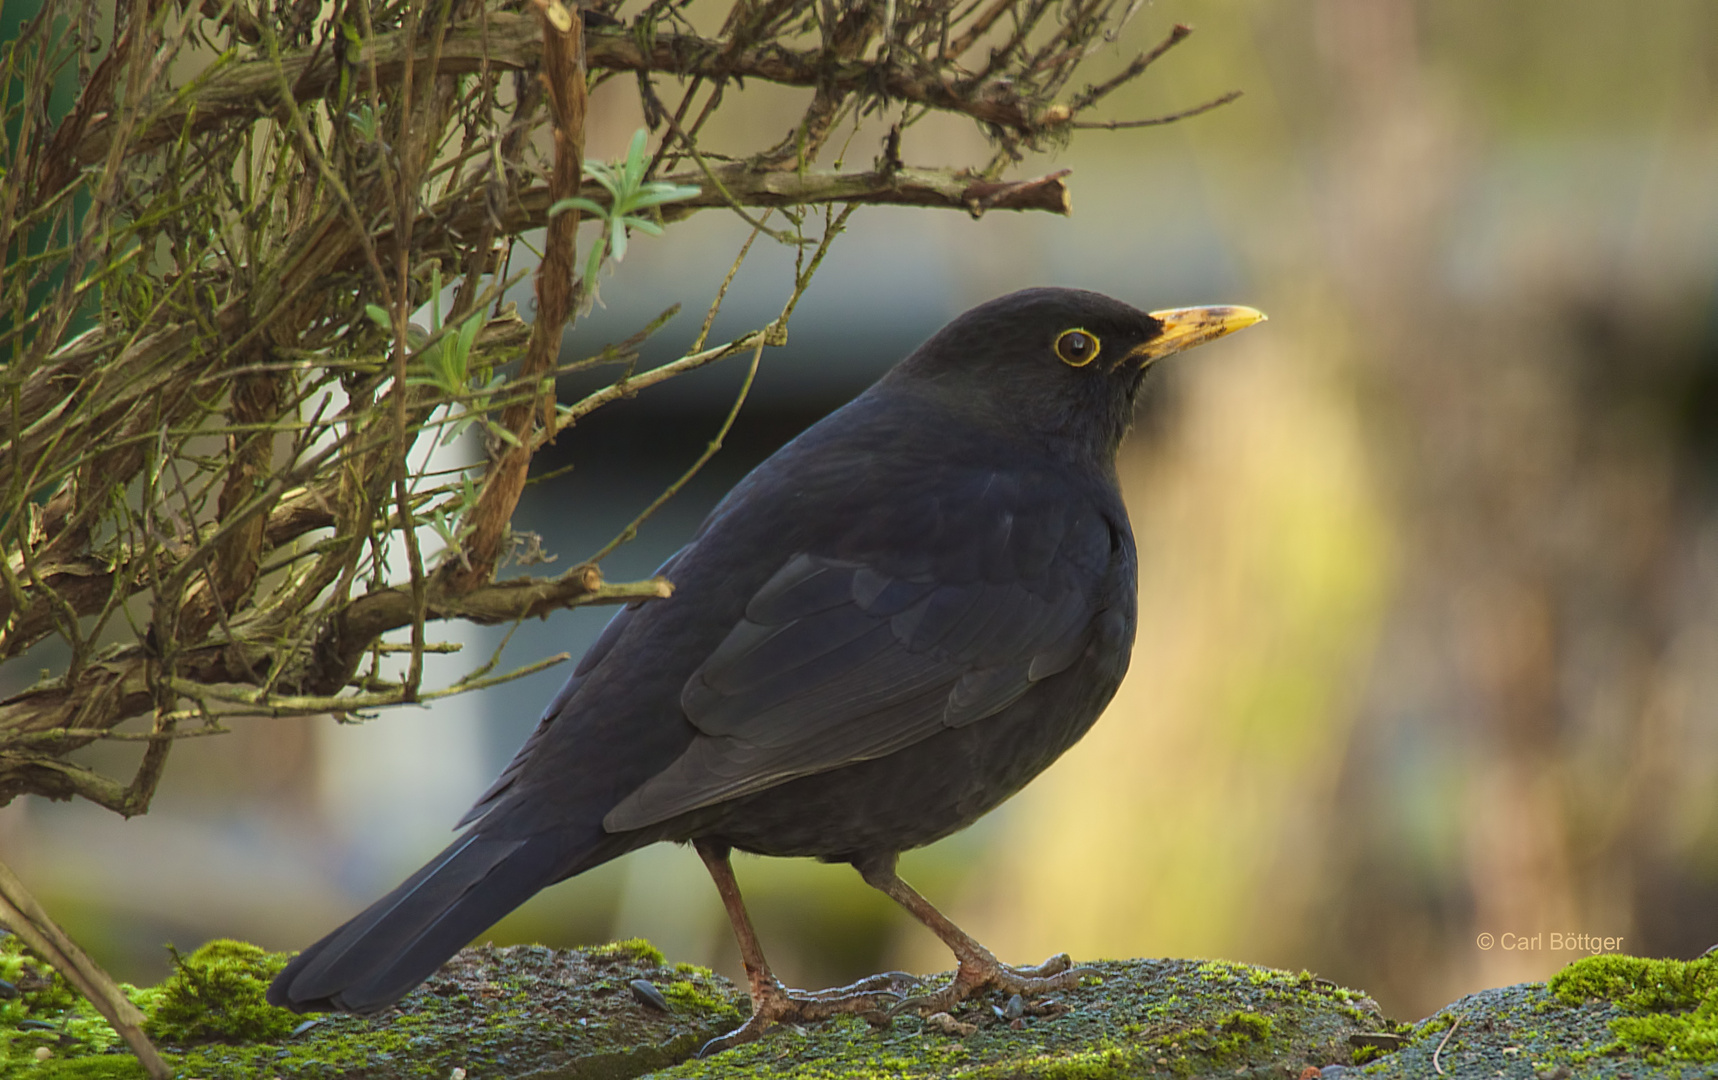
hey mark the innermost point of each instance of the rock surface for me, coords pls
(532, 1013)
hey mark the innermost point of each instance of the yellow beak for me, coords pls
(1184, 328)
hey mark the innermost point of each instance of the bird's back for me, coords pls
(890, 483)
(883, 631)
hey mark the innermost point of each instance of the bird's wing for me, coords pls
(839, 660)
(593, 656)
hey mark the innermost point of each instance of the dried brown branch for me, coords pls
(119, 682)
(1135, 68)
(952, 189)
(564, 78)
(977, 28)
(511, 42)
(25, 917)
(82, 584)
(1157, 121)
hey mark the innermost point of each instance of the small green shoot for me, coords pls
(628, 195)
(447, 365)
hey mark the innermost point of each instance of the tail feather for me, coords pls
(400, 940)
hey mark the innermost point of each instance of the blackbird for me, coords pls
(882, 632)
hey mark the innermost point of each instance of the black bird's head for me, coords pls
(1060, 366)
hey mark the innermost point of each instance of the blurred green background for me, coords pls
(1429, 588)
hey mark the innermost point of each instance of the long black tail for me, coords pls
(401, 939)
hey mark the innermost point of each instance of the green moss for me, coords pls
(528, 1010)
(1636, 982)
(1229, 1036)
(1692, 1037)
(686, 994)
(45, 998)
(1675, 1002)
(104, 1067)
(1102, 1064)
(1270, 981)
(1364, 1054)
(42, 996)
(1221, 971)
(216, 994)
(1242, 1028)
(632, 950)
(1436, 1024)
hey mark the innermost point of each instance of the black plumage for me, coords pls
(882, 632)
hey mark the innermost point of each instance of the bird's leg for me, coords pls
(773, 1003)
(979, 969)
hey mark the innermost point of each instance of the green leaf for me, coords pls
(582, 204)
(468, 334)
(606, 176)
(435, 298)
(635, 160)
(657, 194)
(502, 433)
(592, 265)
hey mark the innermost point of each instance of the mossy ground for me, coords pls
(1166, 1018)
(508, 1014)
(1604, 1016)
(522, 1011)
(217, 995)
(38, 1010)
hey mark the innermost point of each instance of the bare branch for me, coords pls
(951, 189)
(118, 684)
(1158, 121)
(232, 458)
(25, 917)
(1094, 94)
(564, 77)
(513, 43)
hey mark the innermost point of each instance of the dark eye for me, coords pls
(1077, 348)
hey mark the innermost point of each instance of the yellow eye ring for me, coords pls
(1077, 347)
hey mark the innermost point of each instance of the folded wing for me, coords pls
(840, 660)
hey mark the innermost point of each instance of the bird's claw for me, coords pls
(987, 973)
(753, 1028)
(892, 983)
(1060, 964)
(776, 1004)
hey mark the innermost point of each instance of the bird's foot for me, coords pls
(892, 983)
(982, 972)
(773, 1003)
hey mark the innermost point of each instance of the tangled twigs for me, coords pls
(505, 41)
(563, 77)
(217, 411)
(1158, 121)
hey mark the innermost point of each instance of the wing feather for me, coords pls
(840, 660)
